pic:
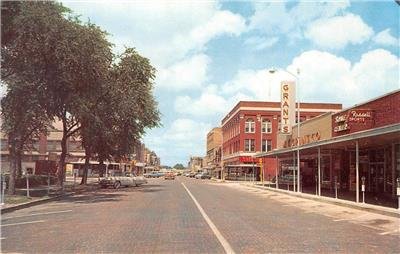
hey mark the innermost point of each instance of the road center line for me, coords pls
(227, 247)
(390, 232)
(22, 223)
(36, 214)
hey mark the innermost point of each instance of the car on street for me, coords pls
(203, 175)
(117, 180)
(153, 174)
(192, 174)
(169, 176)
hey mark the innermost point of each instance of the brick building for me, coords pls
(362, 148)
(252, 127)
(212, 161)
(45, 147)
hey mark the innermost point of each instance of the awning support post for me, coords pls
(357, 174)
(276, 173)
(319, 171)
(294, 172)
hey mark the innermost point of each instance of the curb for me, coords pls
(33, 203)
(40, 201)
(364, 207)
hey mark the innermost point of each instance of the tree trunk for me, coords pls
(61, 163)
(11, 182)
(101, 168)
(86, 168)
(18, 162)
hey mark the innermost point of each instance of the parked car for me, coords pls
(169, 175)
(153, 174)
(117, 181)
(205, 176)
(192, 174)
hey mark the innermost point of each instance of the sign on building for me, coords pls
(288, 106)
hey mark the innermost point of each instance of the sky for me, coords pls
(209, 55)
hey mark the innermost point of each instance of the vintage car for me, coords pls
(169, 175)
(117, 181)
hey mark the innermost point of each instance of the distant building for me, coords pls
(196, 163)
(152, 161)
(212, 161)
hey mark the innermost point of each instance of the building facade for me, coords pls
(212, 161)
(346, 154)
(195, 164)
(252, 127)
(45, 147)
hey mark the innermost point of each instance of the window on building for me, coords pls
(249, 145)
(279, 125)
(4, 145)
(53, 145)
(266, 126)
(249, 126)
(266, 145)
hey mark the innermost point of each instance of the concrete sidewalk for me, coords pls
(70, 188)
(340, 202)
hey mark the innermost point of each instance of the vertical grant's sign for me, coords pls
(288, 106)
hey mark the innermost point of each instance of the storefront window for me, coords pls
(325, 168)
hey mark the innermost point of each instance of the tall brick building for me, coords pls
(252, 127)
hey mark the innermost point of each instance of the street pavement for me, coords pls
(195, 216)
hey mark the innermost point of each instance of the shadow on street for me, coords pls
(101, 195)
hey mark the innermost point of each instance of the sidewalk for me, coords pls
(341, 202)
(42, 194)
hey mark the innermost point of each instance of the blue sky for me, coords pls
(209, 55)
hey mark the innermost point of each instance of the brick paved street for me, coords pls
(161, 217)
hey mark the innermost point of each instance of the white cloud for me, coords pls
(185, 131)
(328, 78)
(188, 74)
(164, 31)
(223, 22)
(256, 84)
(276, 18)
(385, 38)
(206, 104)
(324, 77)
(337, 32)
(376, 73)
(259, 43)
(209, 104)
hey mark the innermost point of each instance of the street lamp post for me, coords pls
(272, 71)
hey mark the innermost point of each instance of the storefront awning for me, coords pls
(242, 165)
(392, 131)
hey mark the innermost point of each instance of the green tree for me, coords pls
(62, 57)
(179, 166)
(23, 121)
